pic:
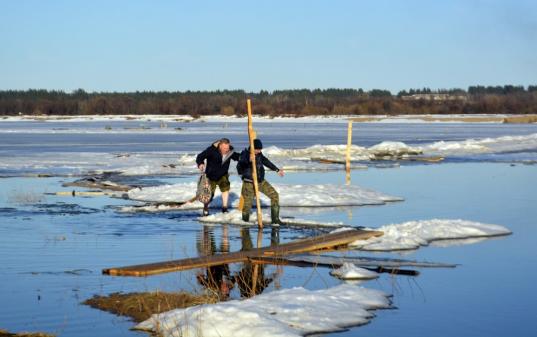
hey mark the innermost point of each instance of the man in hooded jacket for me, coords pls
(215, 161)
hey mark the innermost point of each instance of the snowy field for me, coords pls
(261, 119)
(475, 209)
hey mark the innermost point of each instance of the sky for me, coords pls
(266, 45)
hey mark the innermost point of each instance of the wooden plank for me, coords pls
(295, 247)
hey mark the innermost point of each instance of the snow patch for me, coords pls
(349, 271)
(234, 217)
(413, 234)
(288, 312)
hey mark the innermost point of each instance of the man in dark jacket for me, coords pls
(218, 157)
(244, 167)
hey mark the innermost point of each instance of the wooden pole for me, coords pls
(255, 274)
(348, 157)
(252, 136)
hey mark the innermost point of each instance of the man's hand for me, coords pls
(201, 167)
(281, 173)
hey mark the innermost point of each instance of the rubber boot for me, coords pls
(275, 214)
(246, 216)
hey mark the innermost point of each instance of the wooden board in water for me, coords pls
(316, 243)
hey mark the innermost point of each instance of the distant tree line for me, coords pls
(506, 99)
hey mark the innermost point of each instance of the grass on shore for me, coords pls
(140, 306)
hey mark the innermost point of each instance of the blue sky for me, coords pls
(253, 45)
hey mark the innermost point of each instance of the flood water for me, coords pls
(53, 248)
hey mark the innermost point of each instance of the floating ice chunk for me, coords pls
(330, 152)
(394, 149)
(485, 145)
(349, 271)
(289, 312)
(468, 146)
(413, 234)
(390, 149)
(338, 152)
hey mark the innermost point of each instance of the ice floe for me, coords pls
(337, 153)
(288, 312)
(394, 150)
(413, 234)
(349, 271)
(485, 145)
(290, 195)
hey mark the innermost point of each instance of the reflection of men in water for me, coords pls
(244, 277)
(216, 278)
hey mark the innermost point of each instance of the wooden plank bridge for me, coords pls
(317, 243)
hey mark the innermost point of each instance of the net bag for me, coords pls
(204, 193)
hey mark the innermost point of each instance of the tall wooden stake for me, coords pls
(252, 136)
(348, 157)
